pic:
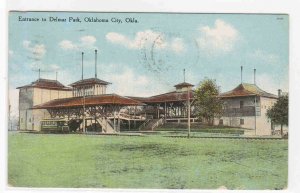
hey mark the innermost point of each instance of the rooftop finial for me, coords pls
(254, 76)
(95, 63)
(40, 71)
(184, 75)
(82, 65)
(241, 74)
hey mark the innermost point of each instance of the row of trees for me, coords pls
(208, 105)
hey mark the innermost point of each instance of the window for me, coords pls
(225, 105)
(221, 122)
(21, 120)
(241, 121)
(241, 104)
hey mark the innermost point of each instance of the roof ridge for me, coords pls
(93, 81)
(46, 83)
(163, 94)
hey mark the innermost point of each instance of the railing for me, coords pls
(240, 112)
(157, 123)
(128, 117)
(151, 124)
(144, 124)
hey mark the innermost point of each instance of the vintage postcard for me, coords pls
(148, 100)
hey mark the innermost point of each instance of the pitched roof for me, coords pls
(166, 97)
(183, 84)
(89, 81)
(246, 89)
(106, 99)
(46, 83)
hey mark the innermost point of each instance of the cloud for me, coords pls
(88, 40)
(177, 45)
(142, 39)
(37, 51)
(54, 67)
(125, 81)
(26, 43)
(44, 67)
(128, 83)
(147, 38)
(118, 38)
(67, 45)
(85, 42)
(264, 57)
(221, 38)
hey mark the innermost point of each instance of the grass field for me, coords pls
(44, 160)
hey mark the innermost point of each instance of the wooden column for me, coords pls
(165, 111)
(134, 122)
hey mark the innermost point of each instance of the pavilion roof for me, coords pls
(183, 84)
(107, 99)
(246, 89)
(174, 96)
(46, 83)
(89, 81)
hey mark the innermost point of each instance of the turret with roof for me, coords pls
(246, 89)
(184, 86)
(91, 86)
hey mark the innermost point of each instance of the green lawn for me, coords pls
(203, 131)
(44, 160)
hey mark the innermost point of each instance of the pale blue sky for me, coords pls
(147, 57)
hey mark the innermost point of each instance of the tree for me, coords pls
(279, 112)
(207, 104)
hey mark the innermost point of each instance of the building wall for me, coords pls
(25, 103)
(184, 89)
(30, 118)
(268, 103)
(37, 116)
(29, 97)
(264, 126)
(100, 89)
(25, 98)
(89, 90)
(42, 95)
(247, 101)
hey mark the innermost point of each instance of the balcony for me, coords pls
(241, 112)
